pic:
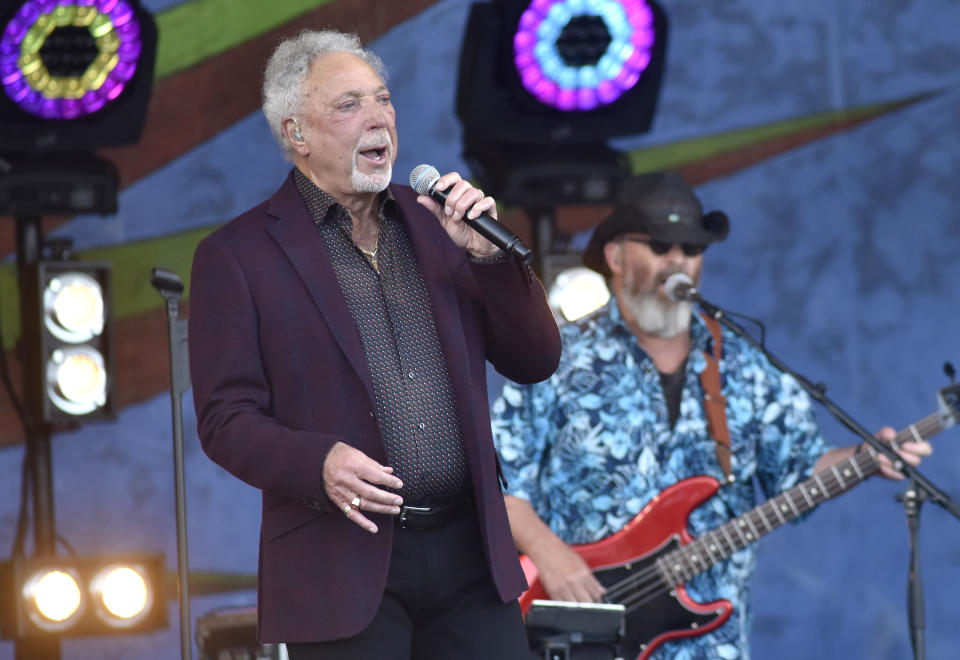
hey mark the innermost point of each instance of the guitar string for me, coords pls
(647, 583)
(642, 587)
(926, 427)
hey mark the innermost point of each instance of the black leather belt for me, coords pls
(431, 515)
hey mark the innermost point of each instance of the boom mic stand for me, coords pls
(913, 498)
(170, 287)
(919, 491)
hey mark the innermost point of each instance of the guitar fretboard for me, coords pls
(679, 566)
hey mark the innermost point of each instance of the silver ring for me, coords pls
(356, 501)
(347, 508)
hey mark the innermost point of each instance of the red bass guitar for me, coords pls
(645, 565)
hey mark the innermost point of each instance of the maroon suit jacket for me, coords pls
(279, 376)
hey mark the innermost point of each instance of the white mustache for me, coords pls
(375, 140)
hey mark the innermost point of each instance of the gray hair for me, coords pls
(287, 69)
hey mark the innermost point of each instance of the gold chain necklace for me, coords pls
(372, 254)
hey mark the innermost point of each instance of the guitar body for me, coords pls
(658, 529)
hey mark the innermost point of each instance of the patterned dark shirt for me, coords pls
(414, 402)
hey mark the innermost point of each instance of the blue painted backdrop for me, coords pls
(848, 248)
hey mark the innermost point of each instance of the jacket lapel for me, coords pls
(297, 236)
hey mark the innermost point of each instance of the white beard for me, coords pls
(371, 183)
(654, 316)
(377, 182)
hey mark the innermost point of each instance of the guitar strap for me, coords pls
(714, 403)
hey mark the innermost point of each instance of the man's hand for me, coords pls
(349, 476)
(564, 575)
(911, 452)
(561, 571)
(462, 199)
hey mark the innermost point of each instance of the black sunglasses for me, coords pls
(662, 247)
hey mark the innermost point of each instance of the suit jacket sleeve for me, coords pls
(521, 335)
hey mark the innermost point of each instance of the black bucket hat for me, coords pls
(662, 205)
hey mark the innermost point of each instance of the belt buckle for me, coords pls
(414, 509)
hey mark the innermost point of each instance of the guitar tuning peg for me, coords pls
(949, 371)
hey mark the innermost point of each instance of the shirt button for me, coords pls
(422, 426)
(410, 375)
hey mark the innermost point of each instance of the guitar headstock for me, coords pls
(949, 405)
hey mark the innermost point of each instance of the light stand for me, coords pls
(37, 442)
(170, 287)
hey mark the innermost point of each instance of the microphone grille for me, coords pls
(423, 177)
(678, 286)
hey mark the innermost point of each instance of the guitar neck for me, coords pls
(716, 545)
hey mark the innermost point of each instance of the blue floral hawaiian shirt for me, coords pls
(592, 445)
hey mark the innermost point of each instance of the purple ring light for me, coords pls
(581, 87)
(49, 101)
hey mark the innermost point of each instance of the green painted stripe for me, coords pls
(193, 31)
(684, 152)
(132, 265)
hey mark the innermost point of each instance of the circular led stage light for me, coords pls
(578, 55)
(73, 307)
(64, 59)
(77, 379)
(122, 595)
(53, 599)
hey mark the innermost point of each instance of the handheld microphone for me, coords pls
(424, 178)
(679, 287)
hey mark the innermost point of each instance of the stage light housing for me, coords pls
(75, 74)
(560, 72)
(82, 596)
(576, 292)
(70, 344)
(56, 184)
(548, 176)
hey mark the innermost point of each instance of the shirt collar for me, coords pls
(326, 207)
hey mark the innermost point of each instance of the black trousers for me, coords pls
(439, 604)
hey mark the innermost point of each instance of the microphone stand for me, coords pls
(920, 490)
(170, 287)
(913, 498)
